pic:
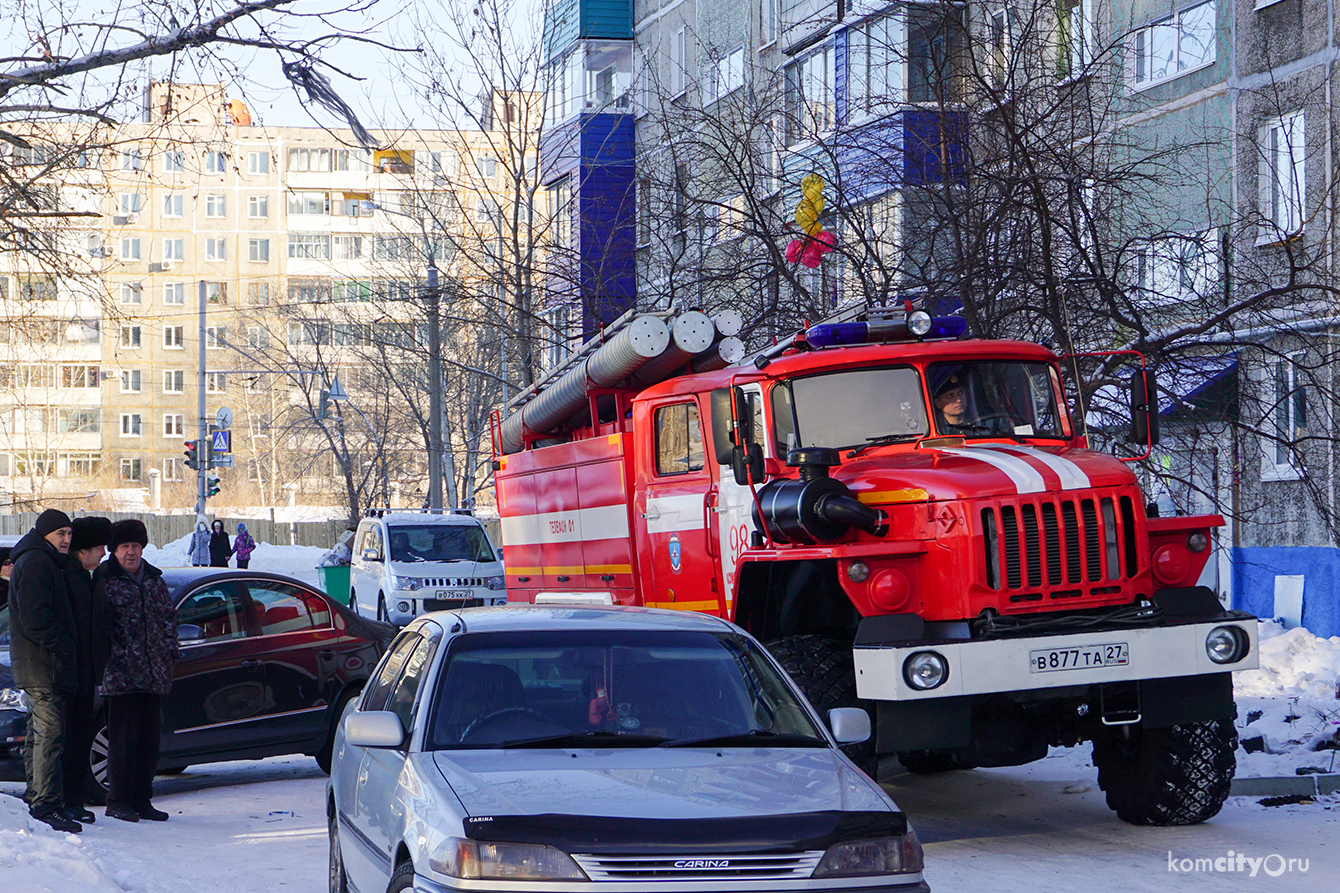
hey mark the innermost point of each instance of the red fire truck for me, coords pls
(913, 521)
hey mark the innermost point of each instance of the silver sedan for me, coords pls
(619, 749)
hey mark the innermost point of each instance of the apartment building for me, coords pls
(308, 248)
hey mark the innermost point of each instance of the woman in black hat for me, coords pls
(93, 643)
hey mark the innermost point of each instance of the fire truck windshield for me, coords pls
(860, 407)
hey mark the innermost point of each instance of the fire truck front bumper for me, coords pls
(916, 671)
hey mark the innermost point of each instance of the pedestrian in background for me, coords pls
(220, 547)
(243, 545)
(93, 644)
(45, 663)
(139, 671)
(200, 545)
(6, 567)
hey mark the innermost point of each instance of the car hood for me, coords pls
(664, 783)
(451, 570)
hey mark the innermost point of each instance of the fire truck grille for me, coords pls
(1059, 548)
(699, 868)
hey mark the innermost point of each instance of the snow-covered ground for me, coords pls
(253, 826)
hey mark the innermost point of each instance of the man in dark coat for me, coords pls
(44, 649)
(93, 641)
(139, 670)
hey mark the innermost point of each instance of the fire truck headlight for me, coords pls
(1226, 644)
(858, 571)
(1198, 541)
(918, 322)
(925, 670)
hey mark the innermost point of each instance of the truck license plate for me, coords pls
(1085, 657)
(453, 593)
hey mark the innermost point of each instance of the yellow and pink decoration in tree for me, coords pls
(810, 248)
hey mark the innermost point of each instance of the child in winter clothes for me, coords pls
(243, 546)
(200, 545)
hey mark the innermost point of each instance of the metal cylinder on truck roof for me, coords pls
(729, 322)
(726, 352)
(691, 333)
(644, 339)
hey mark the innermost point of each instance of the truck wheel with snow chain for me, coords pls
(1179, 775)
(824, 671)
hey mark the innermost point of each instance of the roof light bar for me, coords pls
(917, 324)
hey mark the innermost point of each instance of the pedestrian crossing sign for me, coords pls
(221, 441)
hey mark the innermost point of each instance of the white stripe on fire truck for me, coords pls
(1071, 475)
(668, 514)
(1026, 478)
(601, 522)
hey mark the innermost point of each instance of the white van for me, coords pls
(409, 563)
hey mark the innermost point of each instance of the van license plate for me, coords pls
(1086, 657)
(453, 593)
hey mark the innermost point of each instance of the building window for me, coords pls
(258, 206)
(174, 381)
(174, 161)
(132, 160)
(37, 288)
(258, 337)
(392, 247)
(216, 337)
(486, 165)
(216, 163)
(216, 293)
(130, 469)
(216, 206)
(174, 293)
(258, 250)
(79, 376)
(130, 249)
(726, 75)
(309, 159)
(352, 290)
(1283, 178)
(173, 337)
(644, 212)
(216, 249)
(1288, 412)
(214, 383)
(309, 291)
(174, 249)
(1168, 47)
(353, 160)
(35, 377)
(678, 60)
(84, 420)
(809, 94)
(560, 342)
(347, 247)
(309, 203)
(560, 214)
(875, 66)
(1179, 269)
(1074, 38)
(130, 381)
(312, 246)
(174, 203)
(130, 424)
(174, 425)
(130, 202)
(132, 293)
(767, 22)
(171, 470)
(130, 336)
(258, 163)
(258, 294)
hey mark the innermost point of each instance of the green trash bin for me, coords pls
(335, 580)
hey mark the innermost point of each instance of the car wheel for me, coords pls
(382, 614)
(327, 751)
(339, 881)
(824, 670)
(403, 879)
(97, 765)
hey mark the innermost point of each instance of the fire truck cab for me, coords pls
(913, 523)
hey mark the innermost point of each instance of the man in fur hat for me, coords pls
(45, 655)
(93, 641)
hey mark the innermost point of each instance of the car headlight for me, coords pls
(1226, 644)
(925, 670)
(407, 583)
(514, 861)
(495, 582)
(861, 858)
(13, 699)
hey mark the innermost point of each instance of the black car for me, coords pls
(267, 665)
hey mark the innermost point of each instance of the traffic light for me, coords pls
(211, 484)
(192, 454)
(323, 405)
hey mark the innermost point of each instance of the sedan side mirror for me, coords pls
(850, 725)
(189, 632)
(376, 728)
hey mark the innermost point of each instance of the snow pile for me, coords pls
(1294, 663)
(35, 858)
(294, 561)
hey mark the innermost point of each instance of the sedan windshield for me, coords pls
(439, 542)
(613, 689)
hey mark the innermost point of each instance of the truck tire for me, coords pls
(1178, 775)
(824, 671)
